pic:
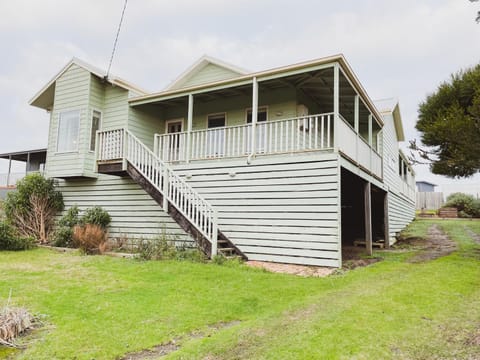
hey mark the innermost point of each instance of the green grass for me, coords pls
(103, 308)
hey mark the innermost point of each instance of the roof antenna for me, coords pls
(115, 43)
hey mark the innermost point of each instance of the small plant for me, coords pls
(167, 247)
(156, 249)
(90, 238)
(63, 235)
(219, 260)
(96, 216)
(10, 240)
(13, 322)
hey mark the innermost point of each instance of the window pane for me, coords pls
(261, 115)
(95, 126)
(216, 121)
(68, 126)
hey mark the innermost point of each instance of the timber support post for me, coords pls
(368, 218)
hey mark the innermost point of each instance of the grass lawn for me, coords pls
(97, 307)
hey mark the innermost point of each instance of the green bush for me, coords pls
(9, 240)
(96, 216)
(63, 236)
(466, 205)
(31, 209)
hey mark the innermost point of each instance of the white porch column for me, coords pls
(370, 137)
(357, 114)
(27, 165)
(189, 128)
(9, 169)
(336, 104)
(254, 116)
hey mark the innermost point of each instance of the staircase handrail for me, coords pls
(196, 209)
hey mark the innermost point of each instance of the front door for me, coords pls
(176, 141)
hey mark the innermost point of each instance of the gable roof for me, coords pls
(44, 98)
(297, 68)
(192, 76)
(391, 106)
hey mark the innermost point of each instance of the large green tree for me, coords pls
(449, 124)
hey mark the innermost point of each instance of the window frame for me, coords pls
(91, 127)
(260, 109)
(73, 150)
(216, 114)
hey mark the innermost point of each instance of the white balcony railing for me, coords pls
(357, 149)
(300, 134)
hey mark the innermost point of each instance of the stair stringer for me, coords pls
(179, 218)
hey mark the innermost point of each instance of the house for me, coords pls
(427, 198)
(425, 186)
(289, 165)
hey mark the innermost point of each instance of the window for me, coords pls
(261, 130)
(261, 115)
(68, 127)
(216, 136)
(96, 116)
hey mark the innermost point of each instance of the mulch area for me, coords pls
(300, 270)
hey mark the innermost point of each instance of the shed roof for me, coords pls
(425, 182)
(24, 155)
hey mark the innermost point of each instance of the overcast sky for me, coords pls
(402, 49)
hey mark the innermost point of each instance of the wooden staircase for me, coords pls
(120, 153)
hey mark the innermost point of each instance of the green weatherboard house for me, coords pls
(290, 165)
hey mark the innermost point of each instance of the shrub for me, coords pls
(32, 208)
(166, 247)
(156, 249)
(63, 235)
(96, 216)
(466, 205)
(9, 240)
(90, 238)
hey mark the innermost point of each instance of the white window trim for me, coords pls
(264, 107)
(167, 122)
(215, 114)
(58, 131)
(91, 124)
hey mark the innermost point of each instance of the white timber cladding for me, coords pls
(71, 94)
(135, 215)
(401, 208)
(283, 209)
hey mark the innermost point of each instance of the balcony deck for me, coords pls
(288, 136)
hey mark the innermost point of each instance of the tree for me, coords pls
(32, 208)
(478, 13)
(449, 124)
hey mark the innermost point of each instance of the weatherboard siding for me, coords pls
(401, 210)
(282, 208)
(134, 213)
(210, 73)
(71, 93)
